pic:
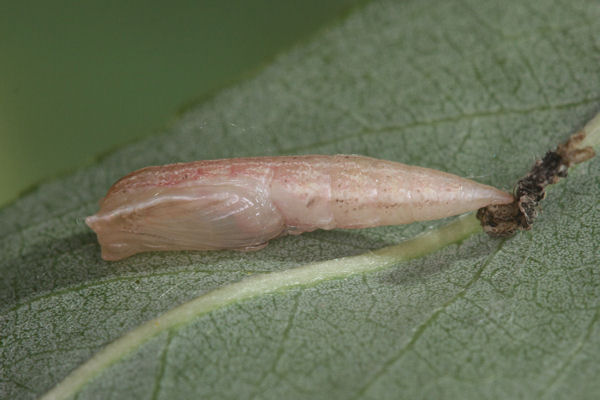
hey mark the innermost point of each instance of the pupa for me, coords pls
(242, 203)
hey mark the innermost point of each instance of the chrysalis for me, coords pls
(242, 203)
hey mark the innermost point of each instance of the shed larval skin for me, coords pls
(242, 203)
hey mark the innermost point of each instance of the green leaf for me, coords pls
(479, 89)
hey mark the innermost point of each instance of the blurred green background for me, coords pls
(79, 78)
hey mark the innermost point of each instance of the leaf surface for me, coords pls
(479, 89)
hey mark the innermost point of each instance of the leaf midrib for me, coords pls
(261, 284)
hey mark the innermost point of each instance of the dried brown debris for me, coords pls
(505, 220)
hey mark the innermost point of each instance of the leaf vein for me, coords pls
(420, 330)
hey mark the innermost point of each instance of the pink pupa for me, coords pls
(242, 203)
